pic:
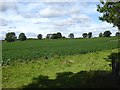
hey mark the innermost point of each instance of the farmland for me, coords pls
(58, 63)
(35, 49)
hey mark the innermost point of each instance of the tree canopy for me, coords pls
(117, 34)
(22, 37)
(39, 36)
(54, 36)
(107, 33)
(10, 37)
(111, 12)
(100, 35)
(89, 34)
(71, 35)
(84, 35)
(59, 35)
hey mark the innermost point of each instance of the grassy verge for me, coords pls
(21, 74)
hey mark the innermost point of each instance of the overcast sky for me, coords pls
(51, 16)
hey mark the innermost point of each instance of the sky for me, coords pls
(51, 16)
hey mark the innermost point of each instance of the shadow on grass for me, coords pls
(83, 79)
(114, 58)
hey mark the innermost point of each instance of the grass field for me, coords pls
(58, 63)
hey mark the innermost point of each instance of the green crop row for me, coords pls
(34, 49)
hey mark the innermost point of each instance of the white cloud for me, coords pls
(48, 12)
(57, 12)
(3, 22)
(82, 18)
(75, 10)
(30, 10)
(90, 8)
(5, 5)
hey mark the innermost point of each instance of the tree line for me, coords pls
(11, 36)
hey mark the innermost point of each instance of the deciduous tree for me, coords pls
(89, 34)
(100, 35)
(107, 33)
(10, 37)
(59, 35)
(117, 34)
(39, 36)
(54, 36)
(84, 35)
(71, 35)
(111, 12)
(22, 37)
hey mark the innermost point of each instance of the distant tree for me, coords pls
(89, 34)
(22, 37)
(107, 34)
(111, 12)
(71, 35)
(10, 37)
(63, 37)
(59, 35)
(84, 35)
(117, 34)
(39, 36)
(100, 35)
(49, 36)
(54, 36)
